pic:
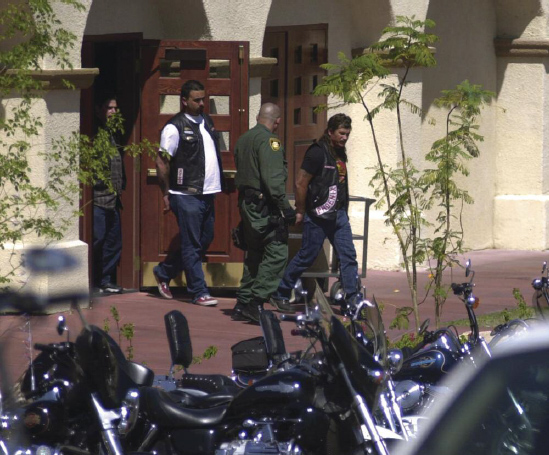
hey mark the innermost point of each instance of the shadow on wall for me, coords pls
(369, 18)
(156, 19)
(466, 47)
(513, 17)
(183, 21)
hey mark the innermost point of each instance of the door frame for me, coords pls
(223, 263)
(128, 269)
(293, 148)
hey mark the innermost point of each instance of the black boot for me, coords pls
(237, 312)
(252, 310)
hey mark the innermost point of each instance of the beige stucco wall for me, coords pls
(465, 51)
(522, 166)
(515, 127)
(59, 113)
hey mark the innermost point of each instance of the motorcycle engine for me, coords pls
(409, 395)
(248, 447)
(44, 418)
(415, 397)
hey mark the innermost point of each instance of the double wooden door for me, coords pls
(223, 69)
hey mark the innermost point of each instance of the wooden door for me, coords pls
(300, 51)
(223, 69)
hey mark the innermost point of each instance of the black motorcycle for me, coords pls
(71, 398)
(320, 405)
(417, 382)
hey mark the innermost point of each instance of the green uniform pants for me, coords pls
(265, 259)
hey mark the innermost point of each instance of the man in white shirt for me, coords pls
(189, 174)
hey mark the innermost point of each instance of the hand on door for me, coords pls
(166, 200)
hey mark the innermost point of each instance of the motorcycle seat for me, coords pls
(139, 374)
(166, 410)
(202, 401)
(208, 383)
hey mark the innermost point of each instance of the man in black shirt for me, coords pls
(322, 201)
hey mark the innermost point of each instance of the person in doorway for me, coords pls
(107, 232)
(265, 213)
(322, 200)
(189, 174)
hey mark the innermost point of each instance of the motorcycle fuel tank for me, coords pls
(289, 390)
(428, 364)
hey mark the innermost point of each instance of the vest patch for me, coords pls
(274, 143)
(330, 202)
(180, 176)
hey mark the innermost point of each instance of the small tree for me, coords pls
(30, 32)
(450, 154)
(405, 192)
(406, 46)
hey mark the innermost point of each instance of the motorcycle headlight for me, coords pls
(129, 412)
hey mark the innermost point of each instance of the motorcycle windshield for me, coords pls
(374, 330)
(370, 325)
(365, 371)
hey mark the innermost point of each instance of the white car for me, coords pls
(499, 407)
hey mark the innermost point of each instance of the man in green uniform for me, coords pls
(265, 212)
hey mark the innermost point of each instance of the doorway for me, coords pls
(116, 57)
(300, 50)
(222, 67)
(147, 75)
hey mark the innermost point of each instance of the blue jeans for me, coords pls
(315, 231)
(107, 245)
(195, 217)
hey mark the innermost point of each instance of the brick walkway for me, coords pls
(497, 273)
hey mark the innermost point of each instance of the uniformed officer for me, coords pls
(265, 212)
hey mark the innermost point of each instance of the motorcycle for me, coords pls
(71, 398)
(417, 382)
(540, 299)
(322, 404)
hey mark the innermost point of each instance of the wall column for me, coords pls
(521, 206)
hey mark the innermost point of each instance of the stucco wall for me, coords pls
(465, 51)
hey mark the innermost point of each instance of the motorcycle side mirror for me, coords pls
(61, 325)
(469, 270)
(395, 359)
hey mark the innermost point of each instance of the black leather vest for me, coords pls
(322, 192)
(188, 165)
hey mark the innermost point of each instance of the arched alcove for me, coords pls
(156, 19)
(524, 19)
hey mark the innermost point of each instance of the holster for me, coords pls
(237, 235)
(253, 196)
(280, 227)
